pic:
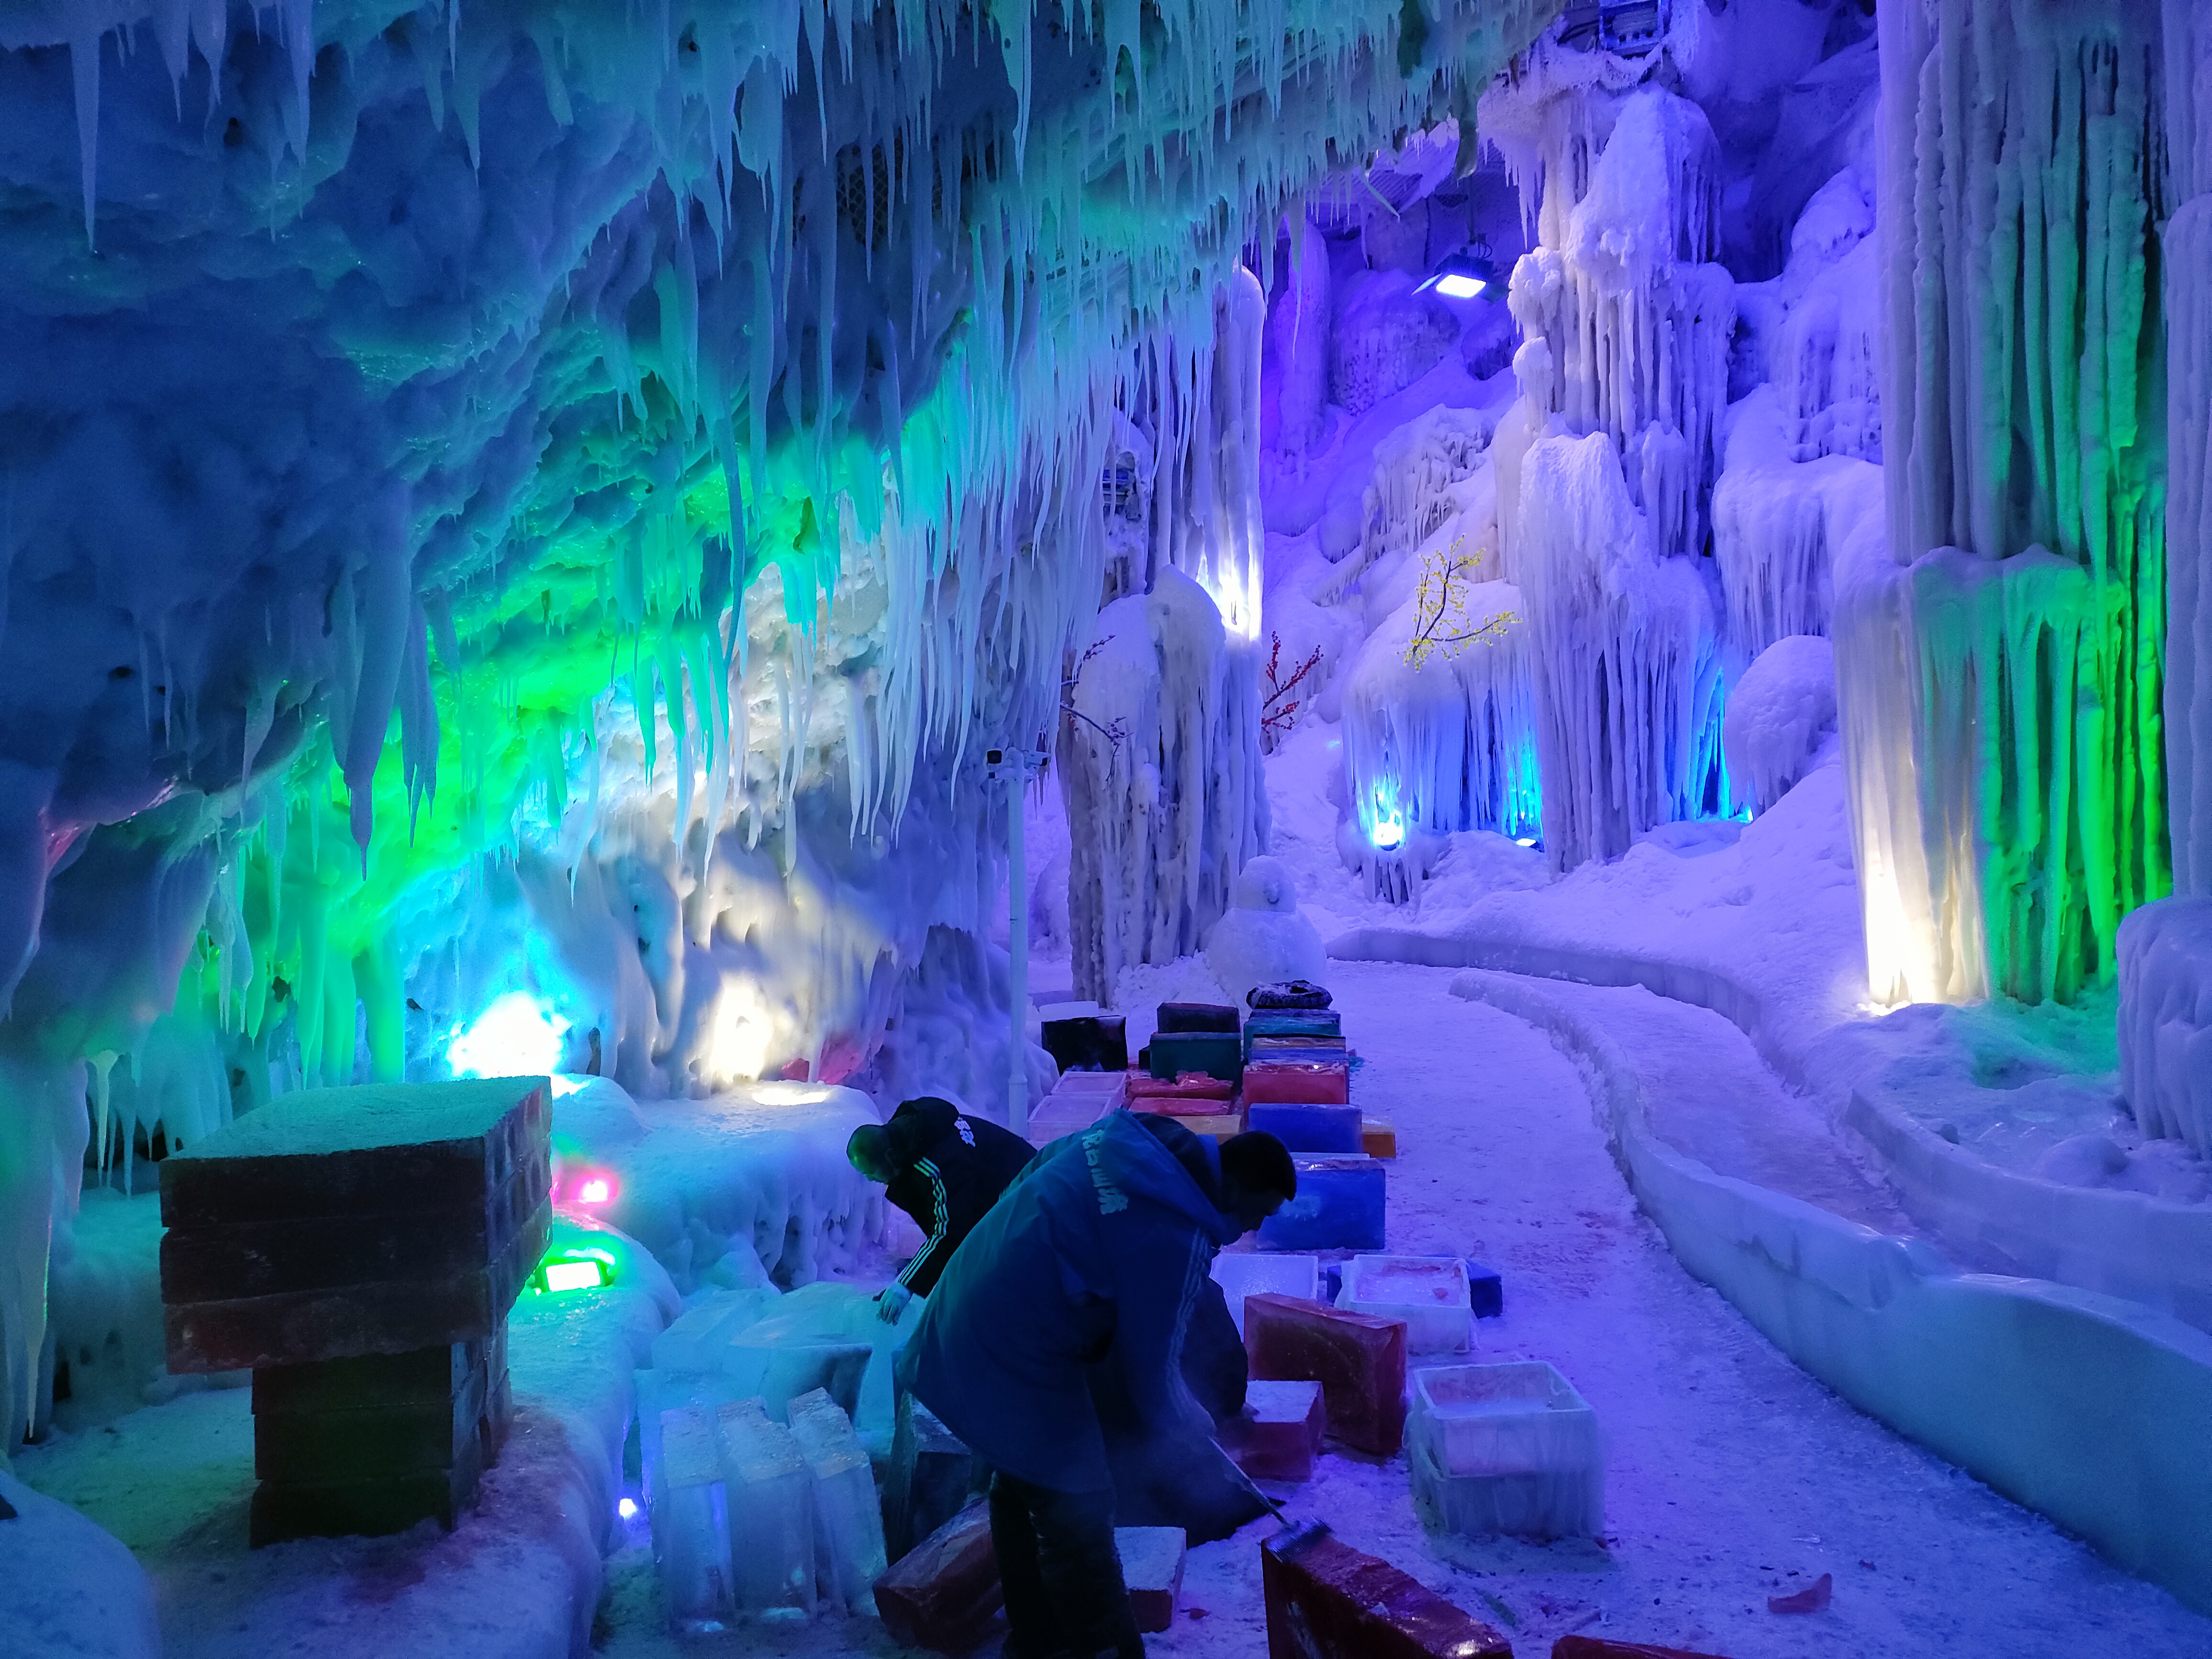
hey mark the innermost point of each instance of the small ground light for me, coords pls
(1524, 840)
(594, 1191)
(575, 1270)
(626, 1509)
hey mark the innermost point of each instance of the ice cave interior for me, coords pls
(722, 721)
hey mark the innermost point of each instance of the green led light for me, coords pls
(575, 1270)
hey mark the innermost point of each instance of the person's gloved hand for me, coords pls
(890, 1303)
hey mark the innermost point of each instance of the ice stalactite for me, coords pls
(1298, 339)
(1449, 744)
(1606, 464)
(2001, 678)
(1627, 657)
(2186, 260)
(2166, 947)
(1159, 765)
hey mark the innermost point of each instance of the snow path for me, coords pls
(1733, 1475)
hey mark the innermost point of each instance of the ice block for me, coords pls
(1358, 1360)
(1324, 1082)
(1281, 1432)
(1428, 1292)
(1217, 1054)
(1505, 1449)
(848, 1522)
(690, 1522)
(695, 1341)
(1220, 1125)
(1088, 1043)
(1176, 1018)
(1240, 1273)
(1294, 1022)
(1305, 1127)
(1596, 1647)
(1308, 1046)
(1151, 1568)
(770, 1508)
(943, 1593)
(777, 1364)
(1486, 1292)
(1340, 1206)
(1186, 1085)
(1327, 1600)
(1377, 1137)
(1288, 994)
(933, 1476)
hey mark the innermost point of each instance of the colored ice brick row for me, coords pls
(1323, 1082)
(1245, 1273)
(1305, 1127)
(1505, 1449)
(1340, 1206)
(1151, 1570)
(943, 1593)
(1327, 1600)
(1358, 1360)
(1179, 1016)
(1217, 1054)
(770, 1511)
(848, 1520)
(1428, 1292)
(1280, 1433)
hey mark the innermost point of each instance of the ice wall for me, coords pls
(396, 390)
(2187, 263)
(2000, 670)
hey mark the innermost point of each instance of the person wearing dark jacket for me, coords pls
(1098, 1252)
(943, 1167)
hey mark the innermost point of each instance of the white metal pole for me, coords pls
(1017, 946)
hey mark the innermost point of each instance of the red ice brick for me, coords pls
(1358, 1359)
(1297, 1082)
(1594, 1647)
(1328, 1600)
(1280, 1432)
(1199, 1088)
(944, 1591)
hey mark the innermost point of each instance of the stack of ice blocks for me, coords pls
(1430, 1293)
(1505, 1449)
(690, 1521)
(358, 1250)
(1358, 1360)
(848, 1525)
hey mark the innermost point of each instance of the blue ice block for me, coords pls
(1217, 1054)
(1485, 1294)
(1307, 1128)
(1291, 1022)
(1339, 1206)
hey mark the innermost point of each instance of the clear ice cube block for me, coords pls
(848, 1521)
(771, 1512)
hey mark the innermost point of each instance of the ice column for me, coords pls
(2001, 687)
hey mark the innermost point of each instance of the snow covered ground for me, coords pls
(1733, 1475)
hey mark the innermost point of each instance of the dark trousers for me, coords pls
(1061, 1575)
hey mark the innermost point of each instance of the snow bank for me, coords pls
(2011, 1379)
(1777, 716)
(750, 1182)
(74, 1591)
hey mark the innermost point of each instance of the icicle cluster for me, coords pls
(1626, 654)
(2000, 682)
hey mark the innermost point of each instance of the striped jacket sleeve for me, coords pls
(929, 1260)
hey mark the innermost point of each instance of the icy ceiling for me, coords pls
(441, 446)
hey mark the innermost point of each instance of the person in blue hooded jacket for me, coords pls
(1097, 1252)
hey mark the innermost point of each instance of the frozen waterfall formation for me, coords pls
(598, 479)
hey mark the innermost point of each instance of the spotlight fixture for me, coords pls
(1469, 274)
